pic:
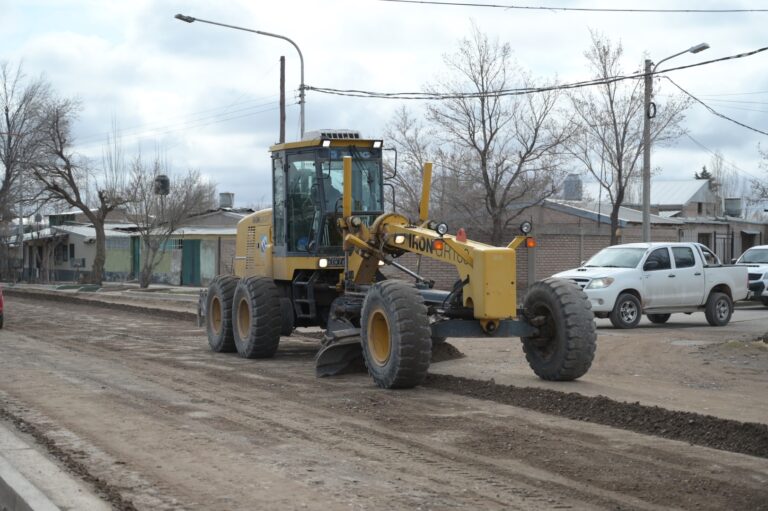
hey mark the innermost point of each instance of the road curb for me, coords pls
(17, 493)
(29, 481)
(94, 300)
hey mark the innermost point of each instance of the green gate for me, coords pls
(190, 263)
(135, 256)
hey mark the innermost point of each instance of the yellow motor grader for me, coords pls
(314, 259)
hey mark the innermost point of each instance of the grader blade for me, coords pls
(341, 353)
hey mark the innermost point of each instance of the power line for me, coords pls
(194, 117)
(422, 96)
(712, 110)
(171, 129)
(729, 163)
(577, 9)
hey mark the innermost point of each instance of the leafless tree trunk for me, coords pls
(158, 217)
(609, 143)
(63, 176)
(506, 151)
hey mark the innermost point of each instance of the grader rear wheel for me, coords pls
(218, 318)
(565, 346)
(395, 335)
(256, 317)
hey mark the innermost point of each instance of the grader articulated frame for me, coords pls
(332, 277)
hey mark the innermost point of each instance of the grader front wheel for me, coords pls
(256, 317)
(565, 346)
(395, 335)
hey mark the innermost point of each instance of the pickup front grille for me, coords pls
(755, 276)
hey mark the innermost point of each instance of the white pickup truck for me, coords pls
(625, 281)
(756, 261)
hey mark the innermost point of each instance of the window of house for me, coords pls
(700, 207)
(71, 250)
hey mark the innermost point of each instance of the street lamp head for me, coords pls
(698, 48)
(182, 17)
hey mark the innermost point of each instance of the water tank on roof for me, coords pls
(733, 207)
(226, 199)
(162, 185)
(573, 188)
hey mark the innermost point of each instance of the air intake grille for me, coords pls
(250, 249)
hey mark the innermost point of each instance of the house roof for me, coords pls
(663, 193)
(602, 212)
(678, 192)
(205, 231)
(89, 232)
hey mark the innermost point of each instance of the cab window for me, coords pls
(658, 260)
(683, 257)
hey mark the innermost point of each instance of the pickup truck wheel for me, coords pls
(218, 318)
(659, 318)
(565, 346)
(719, 309)
(627, 311)
(395, 335)
(765, 301)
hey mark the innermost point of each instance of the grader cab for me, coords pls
(314, 259)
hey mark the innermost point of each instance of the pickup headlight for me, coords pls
(600, 283)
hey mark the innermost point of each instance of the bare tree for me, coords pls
(760, 186)
(609, 143)
(159, 216)
(22, 102)
(411, 141)
(65, 177)
(505, 152)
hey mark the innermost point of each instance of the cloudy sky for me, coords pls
(208, 96)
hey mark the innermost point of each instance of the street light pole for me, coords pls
(647, 115)
(190, 19)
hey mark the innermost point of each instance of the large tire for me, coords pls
(395, 335)
(719, 309)
(256, 317)
(626, 312)
(565, 346)
(765, 301)
(659, 319)
(218, 317)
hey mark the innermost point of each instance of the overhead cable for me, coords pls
(578, 9)
(518, 91)
(713, 111)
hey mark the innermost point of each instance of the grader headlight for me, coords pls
(399, 239)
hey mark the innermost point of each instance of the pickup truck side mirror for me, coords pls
(651, 265)
(733, 261)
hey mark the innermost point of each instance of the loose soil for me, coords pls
(136, 405)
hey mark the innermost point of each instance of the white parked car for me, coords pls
(658, 279)
(756, 261)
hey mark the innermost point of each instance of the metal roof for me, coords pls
(593, 210)
(205, 231)
(663, 193)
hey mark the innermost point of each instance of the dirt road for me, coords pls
(137, 406)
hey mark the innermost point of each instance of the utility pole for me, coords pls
(282, 99)
(647, 152)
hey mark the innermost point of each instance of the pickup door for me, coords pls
(676, 281)
(689, 282)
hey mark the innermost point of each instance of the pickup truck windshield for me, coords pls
(617, 258)
(755, 256)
